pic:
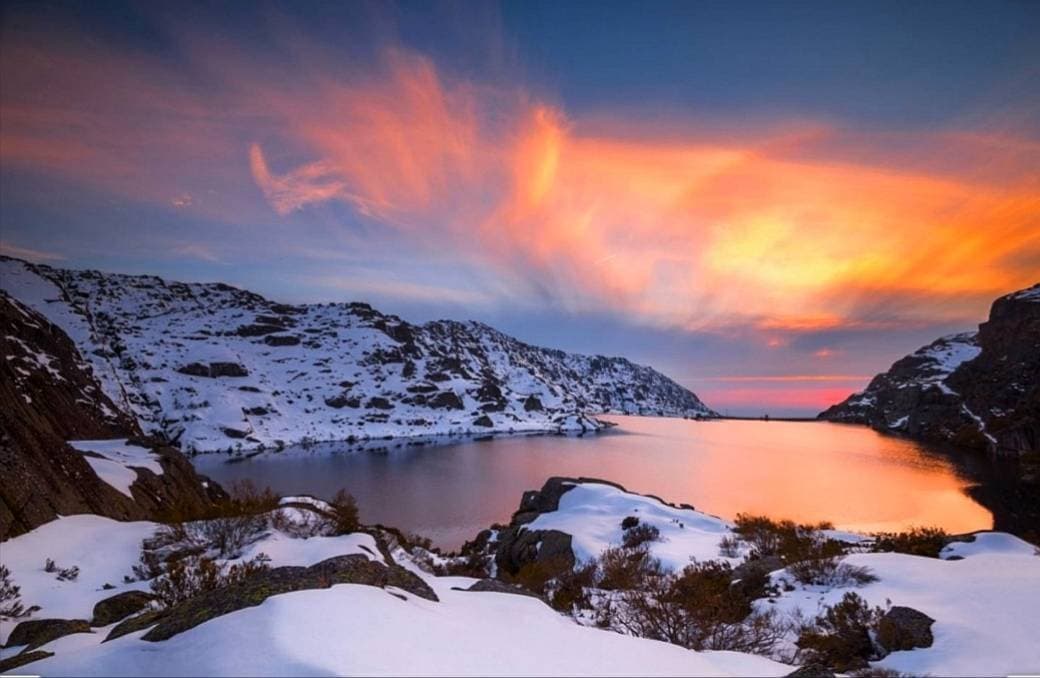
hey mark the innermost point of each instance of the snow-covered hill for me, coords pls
(216, 368)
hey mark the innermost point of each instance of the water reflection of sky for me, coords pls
(807, 471)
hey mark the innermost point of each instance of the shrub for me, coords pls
(700, 609)
(64, 573)
(840, 637)
(639, 535)
(790, 541)
(629, 522)
(345, 513)
(729, 547)
(188, 577)
(917, 541)
(11, 606)
(830, 571)
(621, 569)
(536, 575)
(569, 590)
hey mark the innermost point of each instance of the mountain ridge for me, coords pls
(217, 368)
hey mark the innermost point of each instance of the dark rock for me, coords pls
(445, 400)
(23, 658)
(342, 401)
(258, 330)
(519, 546)
(234, 432)
(379, 403)
(352, 569)
(119, 607)
(194, 370)
(904, 628)
(483, 420)
(226, 369)
(499, 586)
(37, 632)
(533, 404)
(139, 622)
(281, 340)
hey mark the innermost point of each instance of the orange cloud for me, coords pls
(783, 230)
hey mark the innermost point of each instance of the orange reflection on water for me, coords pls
(849, 475)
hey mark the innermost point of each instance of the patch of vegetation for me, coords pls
(11, 606)
(841, 636)
(789, 541)
(640, 534)
(729, 547)
(700, 609)
(188, 577)
(63, 573)
(917, 541)
(623, 569)
(345, 513)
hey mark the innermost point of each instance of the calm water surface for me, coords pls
(807, 471)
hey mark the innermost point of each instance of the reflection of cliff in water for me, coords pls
(1009, 487)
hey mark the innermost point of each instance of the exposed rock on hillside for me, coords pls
(48, 395)
(216, 368)
(975, 389)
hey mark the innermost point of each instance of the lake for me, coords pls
(807, 471)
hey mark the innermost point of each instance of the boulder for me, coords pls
(281, 340)
(36, 632)
(904, 628)
(21, 659)
(498, 586)
(812, 671)
(119, 607)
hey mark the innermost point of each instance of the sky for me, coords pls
(767, 201)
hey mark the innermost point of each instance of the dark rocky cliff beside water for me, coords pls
(978, 390)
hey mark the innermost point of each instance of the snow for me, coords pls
(592, 513)
(103, 549)
(120, 459)
(986, 606)
(1028, 294)
(360, 630)
(320, 388)
(284, 550)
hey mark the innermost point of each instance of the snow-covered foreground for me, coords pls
(347, 629)
(985, 602)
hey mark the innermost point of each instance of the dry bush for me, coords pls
(11, 606)
(700, 609)
(729, 547)
(536, 575)
(569, 590)
(628, 522)
(790, 541)
(63, 573)
(188, 577)
(345, 513)
(917, 541)
(831, 571)
(635, 537)
(622, 569)
(840, 637)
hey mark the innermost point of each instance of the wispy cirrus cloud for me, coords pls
(39, 256)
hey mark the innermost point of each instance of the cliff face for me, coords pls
(216, 368)
(979, 389)
(48, 395)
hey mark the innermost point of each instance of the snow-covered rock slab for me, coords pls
(118, 460)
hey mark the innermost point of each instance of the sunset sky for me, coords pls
(769, 202)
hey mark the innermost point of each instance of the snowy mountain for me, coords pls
(978, 389)
(216, 368)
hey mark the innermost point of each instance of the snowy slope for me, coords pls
(218, 368)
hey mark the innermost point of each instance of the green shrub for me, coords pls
(345, 513)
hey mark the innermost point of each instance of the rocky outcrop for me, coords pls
(48, 395)
(217, 368)
(255, 589)
(119, 607)
(979, 389)
(904, 628)
(36, 632)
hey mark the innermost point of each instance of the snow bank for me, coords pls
(103, 549)
(986, 606)
(592, 513)
(120, 459)
(360, 630)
